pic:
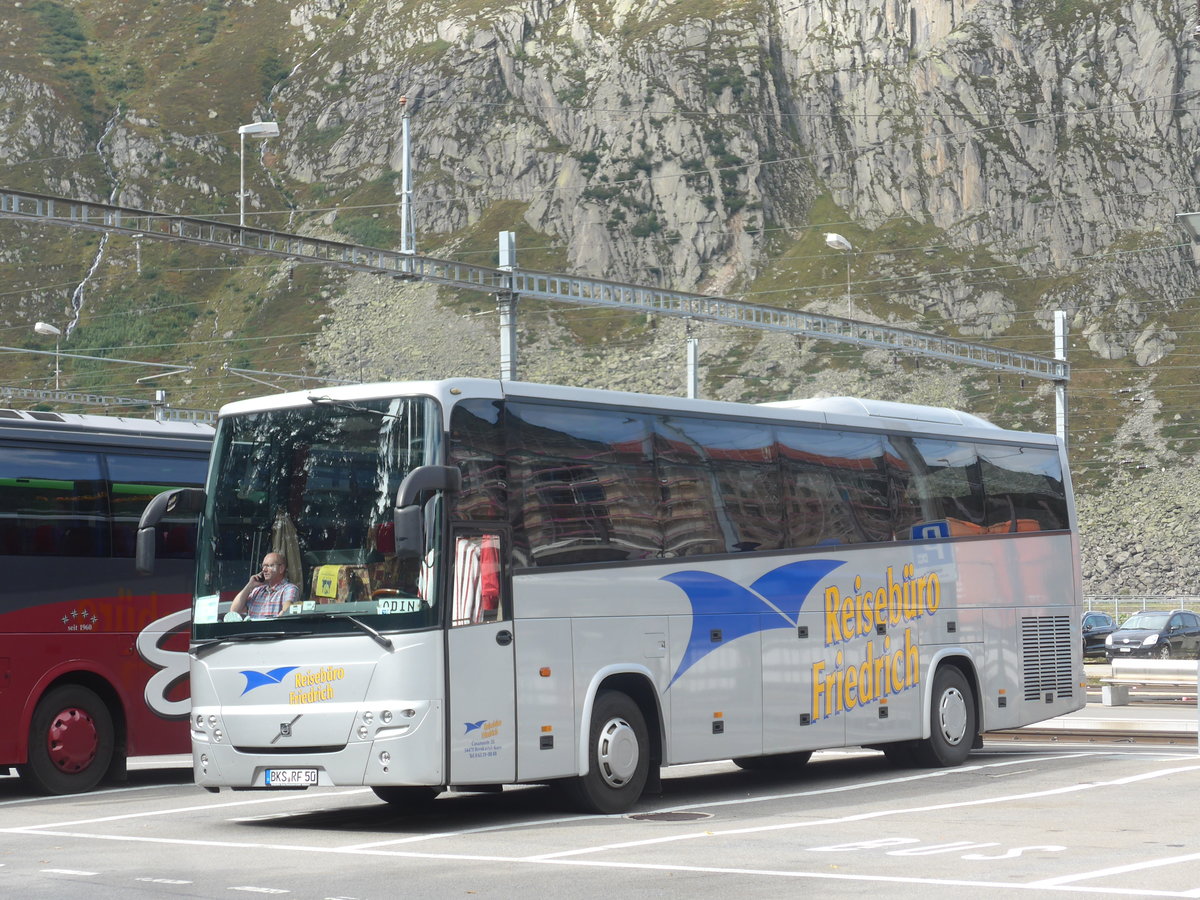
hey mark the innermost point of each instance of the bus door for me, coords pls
(482, 713)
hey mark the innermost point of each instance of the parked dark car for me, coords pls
(1158, 634)
(1096, 627)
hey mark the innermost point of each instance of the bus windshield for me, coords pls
(316, 486)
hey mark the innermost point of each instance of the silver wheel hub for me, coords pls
(617, 752)
(952, 716)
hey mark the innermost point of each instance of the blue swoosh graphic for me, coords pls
(473, 726)
(718, 603)
(258, 679)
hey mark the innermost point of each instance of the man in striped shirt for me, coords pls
(268, 593)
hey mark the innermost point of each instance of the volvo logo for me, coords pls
(285, 729)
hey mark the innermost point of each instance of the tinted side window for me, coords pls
(477, 448)
(720, 486)
(861, 471)
(582, 484)
(946, 487)
(52, 503)
(134, 482)
(1023, 487)
(829, 489)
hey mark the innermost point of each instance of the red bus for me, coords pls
(93, 657)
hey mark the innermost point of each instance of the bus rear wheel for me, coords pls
(71, 742)
(618, 757)
(776, 762)
(951, 721)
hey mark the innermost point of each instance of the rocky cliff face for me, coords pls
(989, 162)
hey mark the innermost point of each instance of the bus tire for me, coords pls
(406, 797)
(775, 762)
(900, 755)
(951, 721)
(71, 741)
(618, 757)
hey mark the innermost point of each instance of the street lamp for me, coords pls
(50, 331)
(262, 131)
(1191, 224)
(835, 241)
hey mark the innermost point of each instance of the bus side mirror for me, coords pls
(407, 516)
(177, 502)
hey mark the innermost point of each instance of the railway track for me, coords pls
(1115, 734)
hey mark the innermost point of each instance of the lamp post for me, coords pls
(835, 241)
(50, 331)
(262, 131)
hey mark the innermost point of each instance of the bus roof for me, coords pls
(17, 422)
(886, 409)
(846, 412)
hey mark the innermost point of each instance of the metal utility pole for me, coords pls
(506, 305)
(693, 363)
(1060, 385)
(407, 230)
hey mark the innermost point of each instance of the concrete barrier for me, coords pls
(1183, 674)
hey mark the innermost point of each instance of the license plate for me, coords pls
(1124, 649)
(291, 778)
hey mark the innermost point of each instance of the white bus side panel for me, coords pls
(482, 710)
(1000, 670)
(630, 644)
(788, 661)
(717, 705)
(845, 639)
(546, 711)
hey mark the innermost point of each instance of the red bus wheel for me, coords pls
(70, 742)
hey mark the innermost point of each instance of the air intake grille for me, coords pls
(1046, 656)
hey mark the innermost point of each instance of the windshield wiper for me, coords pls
(204, 647)
(320, 400)
(381, 639)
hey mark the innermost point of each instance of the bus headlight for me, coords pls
(363, 732)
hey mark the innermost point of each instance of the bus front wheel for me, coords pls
(404, 797)
(618, 757)
(951, 721)
(71, 741)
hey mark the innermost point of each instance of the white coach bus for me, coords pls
(505, 583)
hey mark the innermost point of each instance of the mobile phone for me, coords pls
(258, 576)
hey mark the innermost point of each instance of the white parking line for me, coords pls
(260, 890)
(869, 785)
(1120, 870)
(100, 793)
(387, 849)
(655, 867)
(875, 814)
(176, 810)
(67, 872)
